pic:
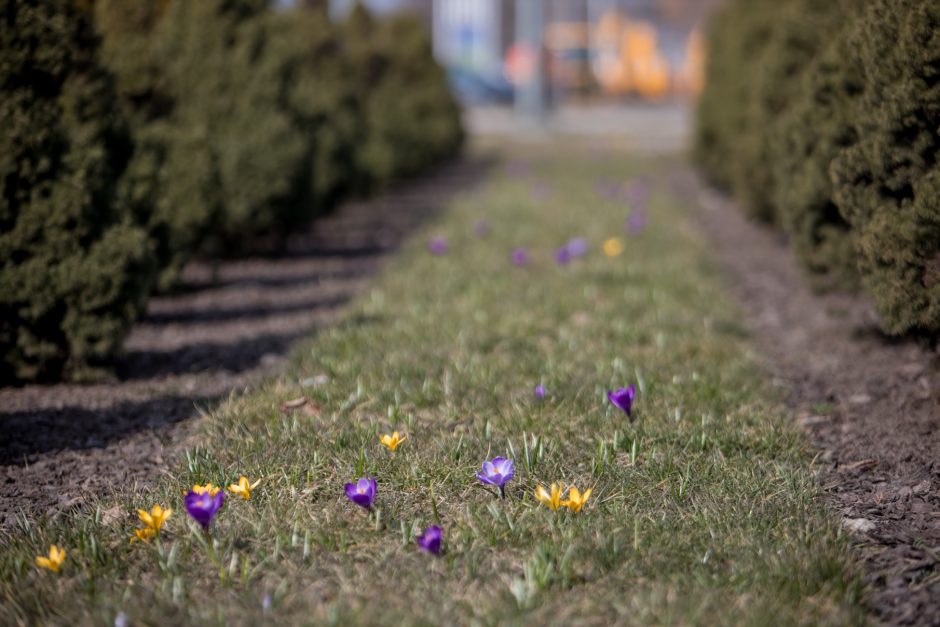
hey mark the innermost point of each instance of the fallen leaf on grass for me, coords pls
(112, 516)
(303, 405)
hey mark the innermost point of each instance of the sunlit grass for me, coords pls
(704, 510)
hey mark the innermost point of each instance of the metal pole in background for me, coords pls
(530, 96)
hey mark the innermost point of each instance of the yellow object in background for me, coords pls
(613, 246)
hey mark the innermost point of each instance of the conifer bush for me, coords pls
(75, 268)
(321, 99)
(410, 119)
(737, 35)
(189, 128)
(827, 118)
(166, 181)
(887, 182)
(808, 135)
(228, 84)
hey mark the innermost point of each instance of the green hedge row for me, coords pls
(823, 118)
(134, 134)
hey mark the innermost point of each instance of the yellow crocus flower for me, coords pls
(243, 488)
(155, 518)
(144, 534)
(54, 561)
(613, 246)
(392, 441)
(552, 500)
(209, 489)
(576, 500)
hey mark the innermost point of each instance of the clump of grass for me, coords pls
(704, 509)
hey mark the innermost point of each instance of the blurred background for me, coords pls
(139, 135)
(559, 50)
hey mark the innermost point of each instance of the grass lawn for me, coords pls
(704, 509)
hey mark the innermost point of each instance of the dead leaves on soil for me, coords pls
(302, 404)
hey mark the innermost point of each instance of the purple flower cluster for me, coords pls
(578, 247)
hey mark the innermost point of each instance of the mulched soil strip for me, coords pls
(870, 403)
(227, 328)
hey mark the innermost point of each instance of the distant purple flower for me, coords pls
(577, 247)
(430, 540)
(203, 507)
(636, 222)
(497, 472)
(481, 228)
(438, 245)
(623, 398)
(563, 256)
(519, 257)
(362, 493)
(541, 190)
(540, 391)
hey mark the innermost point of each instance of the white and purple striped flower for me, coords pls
(497, 472)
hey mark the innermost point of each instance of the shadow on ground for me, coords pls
(228, 327)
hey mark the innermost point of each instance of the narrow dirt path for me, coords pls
(62, 443)
(872, 404)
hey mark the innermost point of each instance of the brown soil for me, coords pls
(869, 402)
(223, 331)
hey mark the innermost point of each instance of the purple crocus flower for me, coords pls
(497, 472)
(539, 391)
(519, 257)
(481, 228)
(636, 222)
(203, 507)
(563, 256)
(430, 540)
(438, 245)
(362, 493)
(577, 247)
(623, 399)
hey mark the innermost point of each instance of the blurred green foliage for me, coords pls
(408, 117)
(887, 183)
(824, 118)
(75, 268)
(190, 128)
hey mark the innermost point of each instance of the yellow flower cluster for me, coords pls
(153, 521)
(551, 498)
